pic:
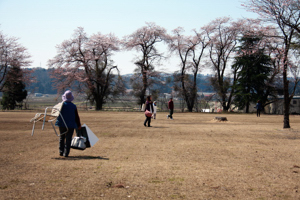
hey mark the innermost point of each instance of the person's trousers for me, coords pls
(148, 119)
(171, 114)
(258, 113)
(65, 141)
(154, 115)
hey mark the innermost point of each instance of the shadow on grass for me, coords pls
(81, 158)
(159, 127)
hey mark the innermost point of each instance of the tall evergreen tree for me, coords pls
(14, 89)
(253, 71)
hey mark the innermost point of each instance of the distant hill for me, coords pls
(44, 82)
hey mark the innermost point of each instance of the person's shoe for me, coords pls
(61, 154)
(167, 116)
(144, 124)
(66, 155)
(172, 119)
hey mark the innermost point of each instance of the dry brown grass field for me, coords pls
(190, 157)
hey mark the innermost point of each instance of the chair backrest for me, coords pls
(56, 109)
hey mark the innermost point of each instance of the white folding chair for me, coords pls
(48, 116)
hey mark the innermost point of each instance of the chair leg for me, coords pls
(54, 129)
(33, 129)
(44, 119)
(43, 126)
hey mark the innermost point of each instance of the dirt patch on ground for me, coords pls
(190, 157)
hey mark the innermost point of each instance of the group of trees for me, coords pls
(247, 56)
(13, 56)
(285, 14)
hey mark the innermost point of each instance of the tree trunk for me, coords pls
(287, 98)
(286, 118)
(99, 104)
(225, 107)
(247, 107)
(190, 99)
(190, 106)
(142, 97)
(247, 102)
(145, 85)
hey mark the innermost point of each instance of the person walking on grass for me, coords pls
(149, 107)
(70, 116)
(171, 108)
(258, 108)
(154, 110)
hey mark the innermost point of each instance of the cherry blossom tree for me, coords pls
(12, 54)
(145, 40)
(223, 36)
(85, 63)
(286, 15)
(190, 51)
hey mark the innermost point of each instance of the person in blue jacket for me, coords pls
(70, 115)
(258, 108)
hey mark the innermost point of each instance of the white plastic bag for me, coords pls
(143, 108)
(92, 137)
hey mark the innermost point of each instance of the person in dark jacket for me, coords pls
(171, 108)
(149, 107)
(70, 116)
(258, 108)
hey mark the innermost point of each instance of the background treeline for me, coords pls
(44, 83)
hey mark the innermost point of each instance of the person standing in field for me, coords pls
(70, 116)
(258, 108)
(154, 110)
(149, 107)
(171, 108)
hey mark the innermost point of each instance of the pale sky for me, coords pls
(40, 25)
